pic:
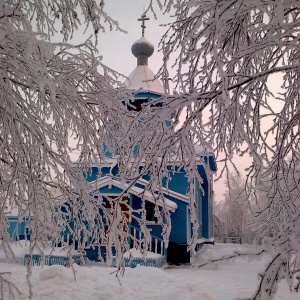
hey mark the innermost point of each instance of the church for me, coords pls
(147, 88)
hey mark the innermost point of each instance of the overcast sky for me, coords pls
(116, 46)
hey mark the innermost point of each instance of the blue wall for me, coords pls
(156, 230)
(95, 173)
(178, 181)
(199, 199)
(205, 212)
(179, 222)
(112, 190)
(92, 175)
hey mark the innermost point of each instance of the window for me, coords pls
(150, 211)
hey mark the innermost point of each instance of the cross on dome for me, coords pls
(142, 77)
(143, 18)
(142, 48)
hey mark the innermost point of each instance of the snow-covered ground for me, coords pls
(227, 280)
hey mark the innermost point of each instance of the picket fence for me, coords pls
(138, 261)
(49, 260)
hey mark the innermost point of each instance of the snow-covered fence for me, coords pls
(49, 260)
(138, 261)
(156, 250)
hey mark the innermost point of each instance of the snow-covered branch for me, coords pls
(56, 102)
(236, 92)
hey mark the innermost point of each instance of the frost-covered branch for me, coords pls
(236, 254)
(8, 290)
(236, 92)
(57, 100)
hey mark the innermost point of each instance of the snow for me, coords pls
(141, 78)
(227, 281)
(143, 40)
(56, 272)
(14, 211)
(211, 252)
(199, 149)
(136, 253)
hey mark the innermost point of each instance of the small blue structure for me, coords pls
(177, 203)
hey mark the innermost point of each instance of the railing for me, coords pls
(135, 239)
(49, 260)
(156, 244)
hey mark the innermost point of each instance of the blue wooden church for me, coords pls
(146, 88)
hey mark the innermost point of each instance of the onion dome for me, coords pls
(142, 77)
(142, 49)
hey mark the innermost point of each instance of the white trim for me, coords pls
(106, 180)
(166, 191)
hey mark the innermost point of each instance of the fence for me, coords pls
(156, 245)
(147, 262)
(49, 260)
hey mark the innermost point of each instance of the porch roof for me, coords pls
(147, 195)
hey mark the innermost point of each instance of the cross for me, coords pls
(143, 19)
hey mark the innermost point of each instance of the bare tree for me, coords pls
(235, 212)
(226, 55)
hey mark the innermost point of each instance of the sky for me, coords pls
(116, 46)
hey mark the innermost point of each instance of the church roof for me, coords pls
(140, 192)
(141, 78)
